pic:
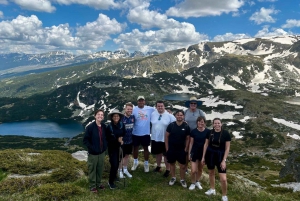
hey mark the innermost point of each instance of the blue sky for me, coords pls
(86, 26)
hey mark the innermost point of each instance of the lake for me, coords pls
(42, 128)
(178, 97)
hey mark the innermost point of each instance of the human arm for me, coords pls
(204, 151)
(167, 140)
(187, 142)
(190, 147)
(87, 138)
(227, 148)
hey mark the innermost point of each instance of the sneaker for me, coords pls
(134, 166)
(198, 185)
(127, 173)
(157, 169)
(187, 171)
(94, 190)
(112, 186)
(211, 192)
(192, 187)
(101, 187)
(183, 183)
(172, 181)
(167, 173)
(121, 176)
(224, 198)
(146, 168)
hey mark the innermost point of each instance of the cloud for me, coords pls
(26, 34)
(200, 8)
(230, 37)
(1, 14)
(98, 4)
(264, 15)
(267, 0)
(291, 23)
(274, 32)
(160, 40)
(36, 5)
(5, 2)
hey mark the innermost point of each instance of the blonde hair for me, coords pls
(128, 104)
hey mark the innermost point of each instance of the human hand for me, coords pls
(120, 139)
(223, 165)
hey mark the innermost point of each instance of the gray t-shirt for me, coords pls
(191, 117)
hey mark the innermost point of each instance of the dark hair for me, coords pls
(111, 117)
(216, 119)
(99, 110)
(159, 101)
(201, 118)
(179, 111)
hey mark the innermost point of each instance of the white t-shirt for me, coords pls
(142, 120)
(159, 125)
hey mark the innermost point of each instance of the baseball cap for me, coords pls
(141, 97)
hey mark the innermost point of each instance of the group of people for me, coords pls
(181, 137)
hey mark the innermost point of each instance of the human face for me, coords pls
(217, 125)
(99, 116)
(193, 105)
(141, 103)
(116, 118)
(128, 110)
(201, 124)
(160, 108)
(179, 116)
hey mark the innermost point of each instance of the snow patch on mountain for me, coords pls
(218, 83)
(287, 123)
(212, 101)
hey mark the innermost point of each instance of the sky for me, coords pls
(88, 26)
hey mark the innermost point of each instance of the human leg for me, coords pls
(92, 168)
(114, 161)
(223, 180)
(100, 168)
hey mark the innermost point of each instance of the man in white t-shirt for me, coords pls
(160, 120)
(141, 131)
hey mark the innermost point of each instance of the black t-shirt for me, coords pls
(199, 138)
(216, 142)
(177, 135)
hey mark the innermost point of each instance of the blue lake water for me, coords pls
(42, 128)
(178, 97)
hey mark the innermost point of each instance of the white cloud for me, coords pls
(1, 14)
(5, 2)
(36, 5)
(264, 15)
(199, 8)
(274, 32)
(98, 4)
(267, 0)
(291, 23)
(26, 34)
(230, 37)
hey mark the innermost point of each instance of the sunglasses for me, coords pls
(193, 103)
(159, 118)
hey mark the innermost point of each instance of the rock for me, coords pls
(292, 167)
(80, 155)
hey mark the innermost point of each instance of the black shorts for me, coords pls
(143, 140)
(196, 154)
(127, 149)
(213, 159)
(175, 155)
(157, 147)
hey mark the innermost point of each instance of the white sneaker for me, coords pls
(192, 187)
(198, 185)
(127, 173)
(183, 183)
(172, 181)
(211, 192)
(134, 166)
(121, 176)
(146, 168)
(224, 198)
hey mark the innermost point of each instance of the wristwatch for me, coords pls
(224, 160)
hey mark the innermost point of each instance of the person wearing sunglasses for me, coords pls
(215, 152)
(160, 119)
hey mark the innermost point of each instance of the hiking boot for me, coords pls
(94, 190)
(146, 168)
(127, 173)
(192, 187)
(167, 173)
(157, 169)
(211, 192)
(183, 183)
(172, 181)
(101, 187)
(112, 186)
(198, 185)
(134, 166)
(121, 176)
(224, 198)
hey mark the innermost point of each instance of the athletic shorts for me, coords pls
(143, 140)
(127, 149)
(197, 154)
(213, 159)
(175, 155)
(157, 147)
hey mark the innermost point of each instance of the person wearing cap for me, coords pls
(160, 119)
(128, 121)
(95, 140)
(115, 131)
(141, 131)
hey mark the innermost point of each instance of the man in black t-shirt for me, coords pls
(176, 141)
